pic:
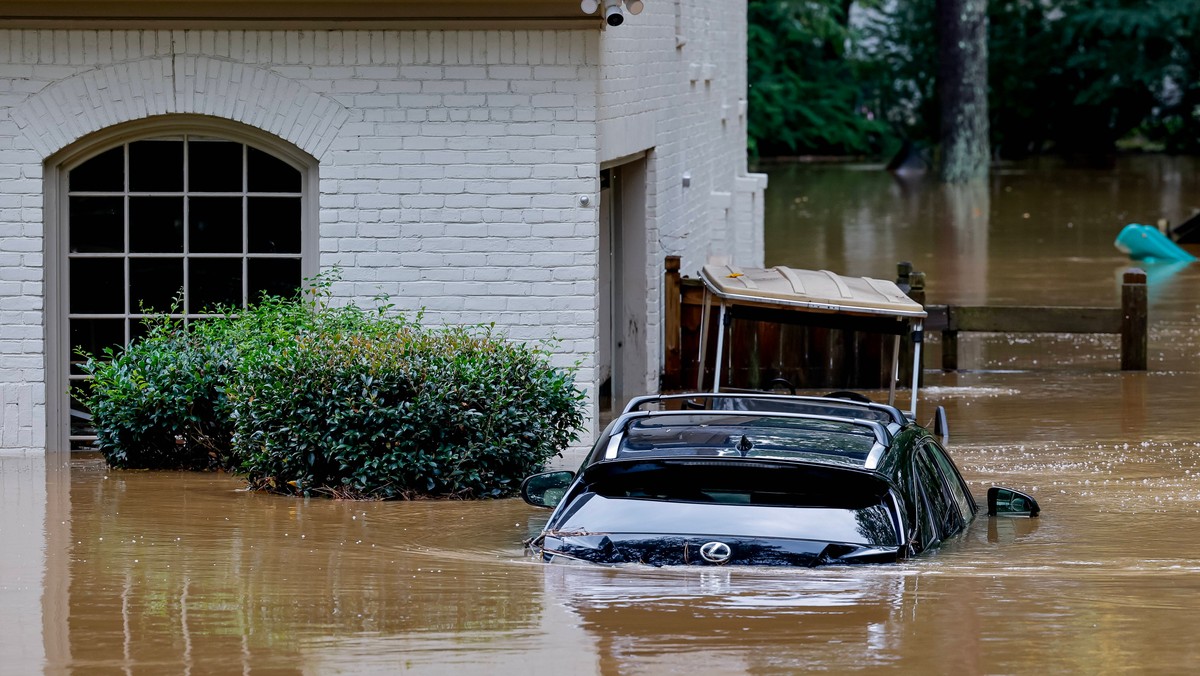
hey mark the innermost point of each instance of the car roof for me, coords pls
(751, 434)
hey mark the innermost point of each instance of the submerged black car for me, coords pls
(754, 479)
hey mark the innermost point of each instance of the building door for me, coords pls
(623, 369)
(608, 346)
(179, 224)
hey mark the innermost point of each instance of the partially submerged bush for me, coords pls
(159, 403)
(306, 398)
(415, 412)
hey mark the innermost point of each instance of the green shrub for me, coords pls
(306, 398)
(396, 410)
(159, 403)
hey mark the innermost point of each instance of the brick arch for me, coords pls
(70, 109)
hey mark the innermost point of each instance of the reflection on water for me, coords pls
(146, 572)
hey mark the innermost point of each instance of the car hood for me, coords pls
(703, 550)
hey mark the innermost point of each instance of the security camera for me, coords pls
(612, 12)
(589, 6)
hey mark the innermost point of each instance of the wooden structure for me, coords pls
(803, 352)
(815, 299)
(813, 357)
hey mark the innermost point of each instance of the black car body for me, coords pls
(757, 480)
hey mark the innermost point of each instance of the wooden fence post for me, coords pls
(1134, 320)
(903, 275)
(672, 320)
(949, 348)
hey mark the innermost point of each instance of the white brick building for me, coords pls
(487, 161)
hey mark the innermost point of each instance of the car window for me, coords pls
(702, 434)
(945, 514)
(747, 482)
(871, 525)
(966, 504)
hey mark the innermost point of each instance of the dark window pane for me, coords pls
(273, 224)
(103, 173)
(97, 224)
(138, 328)
(274, 277)
(93, 335)
(156, 166)
(156, 224)
(215, 224)
(154, 283)
(214, 166)
(214, 282)
(97, 285)
(270, 174)
(945, 512)
(953, 481)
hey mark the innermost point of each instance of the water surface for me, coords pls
(109, 572)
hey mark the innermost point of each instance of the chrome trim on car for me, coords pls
(715, 552)
(614, 444)
(636, 403)
(882, 435)
(874, 456)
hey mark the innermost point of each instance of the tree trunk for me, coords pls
(963, 90)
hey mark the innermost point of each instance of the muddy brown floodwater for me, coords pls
(108, 572)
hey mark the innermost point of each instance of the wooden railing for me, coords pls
(1130, 321)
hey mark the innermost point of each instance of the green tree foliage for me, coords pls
(1065, 76)
(806, 95)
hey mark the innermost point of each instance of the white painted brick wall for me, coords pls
(450, 163)
(689, 95)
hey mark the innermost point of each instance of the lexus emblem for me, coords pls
(715, 552)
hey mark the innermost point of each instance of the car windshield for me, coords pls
(747, 436)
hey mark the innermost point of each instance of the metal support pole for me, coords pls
(704, 315)
(895, 371)
(720, 348)
(918, 338)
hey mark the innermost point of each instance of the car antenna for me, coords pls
(744, 445)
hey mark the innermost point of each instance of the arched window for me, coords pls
(175, 222)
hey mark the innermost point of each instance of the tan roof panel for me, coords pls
(816, 290)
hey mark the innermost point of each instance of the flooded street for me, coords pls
(108, 572)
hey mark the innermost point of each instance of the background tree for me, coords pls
(1076, 77)
(807, 94)
(964, 149)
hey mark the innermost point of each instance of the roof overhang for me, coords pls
(310, 14)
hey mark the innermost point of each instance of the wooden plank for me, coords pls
(938, 319)
(672, 319)
(1011, 319)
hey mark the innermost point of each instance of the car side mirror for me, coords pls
(1007, 502)
(546, 489)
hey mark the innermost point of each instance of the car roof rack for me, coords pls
(883, 436)
(895, 414)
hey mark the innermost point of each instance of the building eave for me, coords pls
(297, 14)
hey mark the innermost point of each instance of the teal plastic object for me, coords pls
(1146, 243)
